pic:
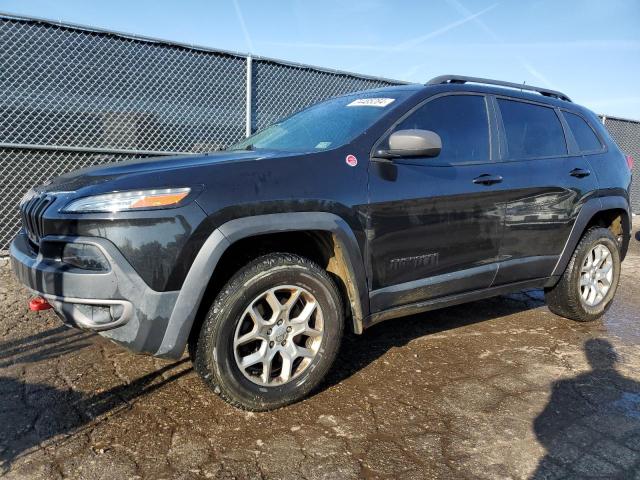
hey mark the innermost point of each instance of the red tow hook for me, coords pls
(38, 303)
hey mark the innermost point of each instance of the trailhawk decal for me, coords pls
(426, 260)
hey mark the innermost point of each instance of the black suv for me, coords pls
(366, 207)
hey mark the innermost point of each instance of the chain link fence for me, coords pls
(74, 96)
(626, 133)
(281, 89)
(68, 87)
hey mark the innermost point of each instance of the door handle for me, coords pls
(579, 173)
(486, 179)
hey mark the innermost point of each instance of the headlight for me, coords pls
(131, 200)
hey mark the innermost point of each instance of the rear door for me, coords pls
(545, 183)
(435, 224)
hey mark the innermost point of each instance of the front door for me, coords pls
(435, 224)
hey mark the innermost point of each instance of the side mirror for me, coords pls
(412, 143)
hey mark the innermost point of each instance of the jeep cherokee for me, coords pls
(362, 208)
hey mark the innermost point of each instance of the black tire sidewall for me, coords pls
(228, 314)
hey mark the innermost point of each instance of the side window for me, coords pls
(585, 136)
(460, 120)
(531, 130)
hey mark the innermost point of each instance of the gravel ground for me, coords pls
(499, 388)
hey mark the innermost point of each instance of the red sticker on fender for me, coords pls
(351, 160)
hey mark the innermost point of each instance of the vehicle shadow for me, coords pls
(43, 345)
(32, 413)
(591, 425)
(358, 351)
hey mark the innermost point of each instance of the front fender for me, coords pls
(197, 279)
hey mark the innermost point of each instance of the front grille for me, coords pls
(31, 214)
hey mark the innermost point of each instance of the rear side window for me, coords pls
(532, 130)
(585, 136)
(460, 120)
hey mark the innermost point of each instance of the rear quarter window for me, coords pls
(531, 130)
(586, 138)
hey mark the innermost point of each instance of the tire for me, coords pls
(243, 309)
(566, 297)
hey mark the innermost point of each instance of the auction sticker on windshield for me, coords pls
(371, 102)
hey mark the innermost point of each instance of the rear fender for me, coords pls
(587, 212)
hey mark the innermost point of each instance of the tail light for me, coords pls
(630, 162)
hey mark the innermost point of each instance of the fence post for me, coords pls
(249, 106)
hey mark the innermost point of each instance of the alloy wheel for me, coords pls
(278, 335)
(596, 275)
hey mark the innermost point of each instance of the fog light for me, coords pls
(87, 257)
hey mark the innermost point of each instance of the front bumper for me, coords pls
(117, 304)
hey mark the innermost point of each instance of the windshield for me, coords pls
(326, 125)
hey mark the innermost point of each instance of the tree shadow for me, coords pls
(358, 351)
(32, 413)
(591, 425)
(43, 345)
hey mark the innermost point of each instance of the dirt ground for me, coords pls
(499, 388)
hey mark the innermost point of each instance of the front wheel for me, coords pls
(272, 333)
(587, 287)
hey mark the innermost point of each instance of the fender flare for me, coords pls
(588, 210)
(184, 312)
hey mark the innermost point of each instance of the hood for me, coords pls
(162, 166)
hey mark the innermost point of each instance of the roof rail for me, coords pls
(462, 79)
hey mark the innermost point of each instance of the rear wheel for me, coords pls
(272, 333)
(589, 283)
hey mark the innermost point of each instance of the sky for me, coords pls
(588, 49)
